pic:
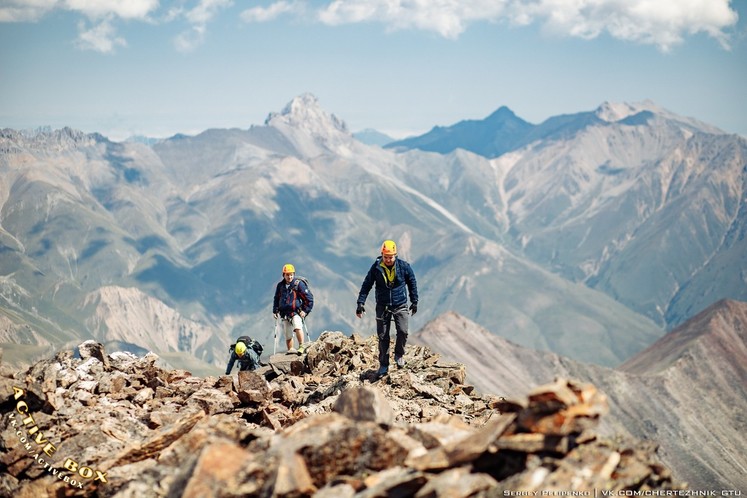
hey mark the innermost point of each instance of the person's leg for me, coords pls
(288, 331)
(401, 323)
(298, 329)
(383, 326)
(254, 357)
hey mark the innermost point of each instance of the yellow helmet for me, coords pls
(389, 248)
(289, 268)
(240, 348)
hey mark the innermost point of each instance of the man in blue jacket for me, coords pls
(292, 302)
(394, 280)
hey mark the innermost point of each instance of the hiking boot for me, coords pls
(382, 371)
(400, 362)
(301, 348)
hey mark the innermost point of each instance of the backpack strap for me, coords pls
(294, 288)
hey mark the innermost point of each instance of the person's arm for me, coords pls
(231, 361)
(368, 283)
(276, 300)
(307, 297)
(412, 285)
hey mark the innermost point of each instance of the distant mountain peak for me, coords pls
(44, 137)
(489, 137)
(502, 112)
(304, 112)
(613, 112)
(311, 129)
(373, 137)
(616, 111)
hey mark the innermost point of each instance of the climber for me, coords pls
(394, 280)
(246, 351)
(292, 302)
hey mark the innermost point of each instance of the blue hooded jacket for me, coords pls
(290, 299)
(393, 295)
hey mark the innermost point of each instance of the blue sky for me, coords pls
(158, 67)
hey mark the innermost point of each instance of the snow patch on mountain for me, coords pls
(617, 111)
(613, 112)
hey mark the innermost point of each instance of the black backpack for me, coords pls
(250, 343)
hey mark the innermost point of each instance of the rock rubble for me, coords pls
(319, 424)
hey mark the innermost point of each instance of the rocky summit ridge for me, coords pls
(88, 423)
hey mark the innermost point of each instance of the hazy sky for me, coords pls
(159, 67)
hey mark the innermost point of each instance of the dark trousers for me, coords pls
(384, 317)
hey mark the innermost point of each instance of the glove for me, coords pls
(275, 315)
(302, 314)
(413, 308)
(360, 310)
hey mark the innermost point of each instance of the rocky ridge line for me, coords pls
(317, 424)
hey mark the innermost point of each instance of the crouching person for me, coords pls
(247, 352)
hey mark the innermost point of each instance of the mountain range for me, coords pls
(630, 199)
(588, 235)
(503, 131)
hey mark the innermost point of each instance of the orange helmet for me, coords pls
(289, 268)
(389, 248)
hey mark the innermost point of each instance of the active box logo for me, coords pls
(42, 449)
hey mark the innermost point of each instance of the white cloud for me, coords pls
(104, 13)
(126, 9)
(262, 14)
(448, 18)
(25, 10)
(101, 38)
(663, 23)
(206, 10)
(190, 39)
(198, 17)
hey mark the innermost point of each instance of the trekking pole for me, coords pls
(275, 344)
(307, 337)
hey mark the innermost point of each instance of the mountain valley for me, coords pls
(687, 392)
